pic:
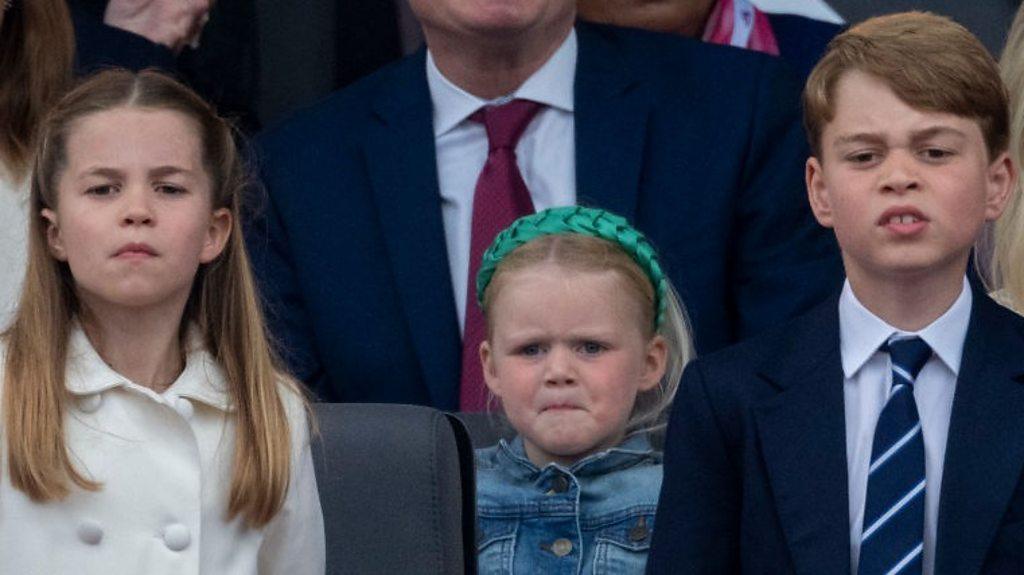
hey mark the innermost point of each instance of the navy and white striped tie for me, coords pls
(892, 538)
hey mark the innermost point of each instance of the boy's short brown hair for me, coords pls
(929, 61)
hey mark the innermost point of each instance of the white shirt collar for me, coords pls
(861, 332)
(551, 85)
(202, 379)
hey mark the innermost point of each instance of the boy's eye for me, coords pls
(936, 153)
(591, 347)
(862, 157)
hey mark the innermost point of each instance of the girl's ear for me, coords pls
(216, 235)
(655, 363)
(490, 373)
(53, 238)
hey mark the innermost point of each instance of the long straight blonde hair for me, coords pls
(1005, 270)
(223, 304)
(37, 46)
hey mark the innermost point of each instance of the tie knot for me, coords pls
(908, 354)
(507, 122)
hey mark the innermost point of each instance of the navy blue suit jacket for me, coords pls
(755, 456)
(701, 146)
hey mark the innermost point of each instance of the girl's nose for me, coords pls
(137, 210)
(559, 368)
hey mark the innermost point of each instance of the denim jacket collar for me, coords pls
(635, 449)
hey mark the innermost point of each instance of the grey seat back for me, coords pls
(397, 489)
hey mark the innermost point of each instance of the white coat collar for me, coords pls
(202, 379)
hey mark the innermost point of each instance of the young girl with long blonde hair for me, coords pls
(145, 427)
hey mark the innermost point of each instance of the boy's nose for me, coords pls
(900, 175)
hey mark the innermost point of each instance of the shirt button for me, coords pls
(183, 407)
(90, 403)
(176, 537)
(90, 532)
(559, 484)
(561, 547)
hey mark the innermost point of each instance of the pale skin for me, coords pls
(134, 221)
(172, 23)
(568, 354)
(907, 192)
(490, 47)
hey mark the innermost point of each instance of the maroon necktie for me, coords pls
(500, 197)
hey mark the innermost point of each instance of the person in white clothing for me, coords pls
(145, 425)
(31, 80)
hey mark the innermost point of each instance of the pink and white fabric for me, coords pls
(738, 23)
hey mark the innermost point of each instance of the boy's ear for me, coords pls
(216, 235)
(53, 237)
(1002, 178)
(655, 363)
(817, 192)
(490, 373)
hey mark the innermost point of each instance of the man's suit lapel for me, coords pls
(401, 162)
(985, 449)
(803, 438)
(611, 109)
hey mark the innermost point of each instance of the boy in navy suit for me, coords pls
(884, 431)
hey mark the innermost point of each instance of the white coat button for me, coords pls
(90, 403)
(184, 407)
(176, 537)
(90, 532)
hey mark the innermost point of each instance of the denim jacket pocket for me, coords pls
(495, 548)
(621, 548)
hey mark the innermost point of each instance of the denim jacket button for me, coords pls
(559, 485)
(639, 531)
(561, 547)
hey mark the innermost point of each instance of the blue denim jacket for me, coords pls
(593, 517)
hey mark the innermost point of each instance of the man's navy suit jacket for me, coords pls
(700, 146)
(755, 456)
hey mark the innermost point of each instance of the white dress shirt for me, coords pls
(545, 153)
(164, 461)
(13, 243)
(868, 379)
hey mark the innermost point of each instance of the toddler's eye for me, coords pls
(591, 347)
(530, 350)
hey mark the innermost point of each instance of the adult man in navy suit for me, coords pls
(363, 252)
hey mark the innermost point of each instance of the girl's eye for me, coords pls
(104, 190)
(170, 189)
(530, 350)
(591, 347)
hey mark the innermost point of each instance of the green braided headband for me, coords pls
(576, 220)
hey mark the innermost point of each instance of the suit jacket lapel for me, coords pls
(985, 449)
(611, 109)
(803, 438)
(401, 162)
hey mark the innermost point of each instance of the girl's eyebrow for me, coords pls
(158, 172)
(164, 171)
